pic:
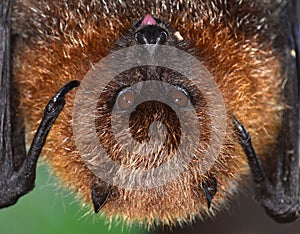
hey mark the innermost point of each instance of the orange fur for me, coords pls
(63, 39)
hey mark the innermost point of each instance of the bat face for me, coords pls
(161, 107)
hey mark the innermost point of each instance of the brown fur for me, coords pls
(61, 40)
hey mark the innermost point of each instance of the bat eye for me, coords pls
(126, 99)
(180, 97)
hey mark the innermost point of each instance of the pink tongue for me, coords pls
(148, 20)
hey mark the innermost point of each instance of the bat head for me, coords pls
(148, 115)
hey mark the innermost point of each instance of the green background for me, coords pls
(50, 209)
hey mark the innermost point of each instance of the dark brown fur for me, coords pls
(61, 40)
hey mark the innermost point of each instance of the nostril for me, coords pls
(140, 37)
(151, 35)
(162, 37)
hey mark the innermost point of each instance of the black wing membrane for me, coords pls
(288, 156)
(17, 170)
(6, 154)
(278, 191)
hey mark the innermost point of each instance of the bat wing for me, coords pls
(10, 127)
(288, 163)
(297, 49)
(17, 170)
(280, 195)
(278, 190)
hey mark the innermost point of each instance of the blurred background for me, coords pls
(245, 216)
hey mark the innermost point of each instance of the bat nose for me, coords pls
(151, 34)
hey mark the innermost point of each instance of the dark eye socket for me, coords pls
(180, 97)
(126, 99)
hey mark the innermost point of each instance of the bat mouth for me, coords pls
(150, 30)
(148, 20)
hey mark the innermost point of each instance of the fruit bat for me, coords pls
(249, 48)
